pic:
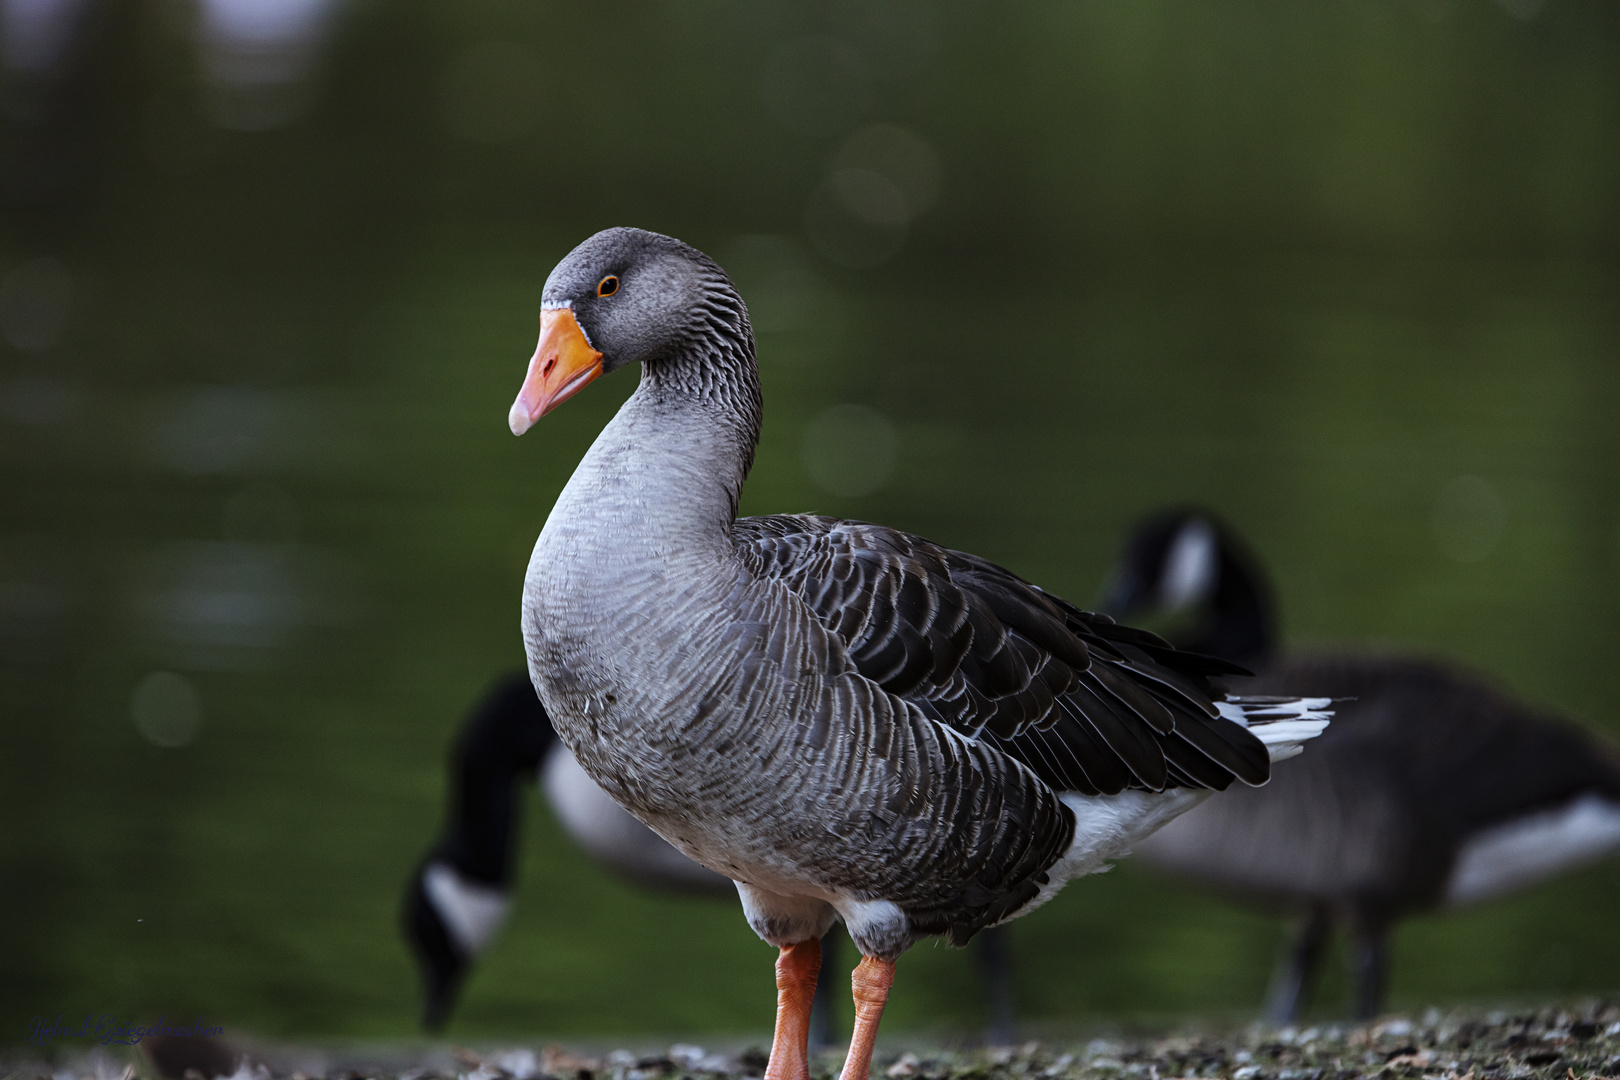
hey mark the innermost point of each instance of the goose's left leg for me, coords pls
(882, 931)
(870, 984)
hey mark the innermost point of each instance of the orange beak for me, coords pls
(562, 364)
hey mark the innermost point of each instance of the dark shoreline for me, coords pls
(1569, 1042)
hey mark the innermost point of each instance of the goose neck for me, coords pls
(670, 466)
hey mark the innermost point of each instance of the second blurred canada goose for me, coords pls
(1431, 789)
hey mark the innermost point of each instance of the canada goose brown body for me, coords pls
(1432, 788)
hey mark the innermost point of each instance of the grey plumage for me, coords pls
(841, 717)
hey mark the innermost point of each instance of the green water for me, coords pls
(1347, 273)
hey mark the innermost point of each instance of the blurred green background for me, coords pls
(269, 276)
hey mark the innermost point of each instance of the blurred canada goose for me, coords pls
(459, 894)
(849, 722)
(1432, 788)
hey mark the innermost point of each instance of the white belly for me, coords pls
(1106, 827)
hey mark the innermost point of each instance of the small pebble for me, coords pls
(685, 1054)
(906, 1066)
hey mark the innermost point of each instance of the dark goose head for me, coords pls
(630, 296)
(1186, 567)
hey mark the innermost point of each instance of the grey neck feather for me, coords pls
(711, 386)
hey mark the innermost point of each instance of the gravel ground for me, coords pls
(1567, 1043)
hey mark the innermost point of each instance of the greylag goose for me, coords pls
(850, 722)
(1432, 789)
(460, 893)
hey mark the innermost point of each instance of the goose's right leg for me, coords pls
(796, 969)
(794, 924)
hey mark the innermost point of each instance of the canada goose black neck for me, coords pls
(1240, 623)
(498, 752)
(1187, 564)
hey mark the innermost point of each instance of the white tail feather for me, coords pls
(1282, 724)
(1106, 826)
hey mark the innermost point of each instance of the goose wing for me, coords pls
(1090, 706)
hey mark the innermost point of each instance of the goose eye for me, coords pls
(607, 286)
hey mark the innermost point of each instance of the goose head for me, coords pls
(624, 296)
(1186, 567)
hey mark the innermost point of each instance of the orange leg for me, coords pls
(870, 983)
(796, 970)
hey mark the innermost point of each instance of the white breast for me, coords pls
(1527, 849)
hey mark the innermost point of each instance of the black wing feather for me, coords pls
(1088, 705)
(1131, 740)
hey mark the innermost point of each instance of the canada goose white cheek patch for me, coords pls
(471, 912)
(1190, 567)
